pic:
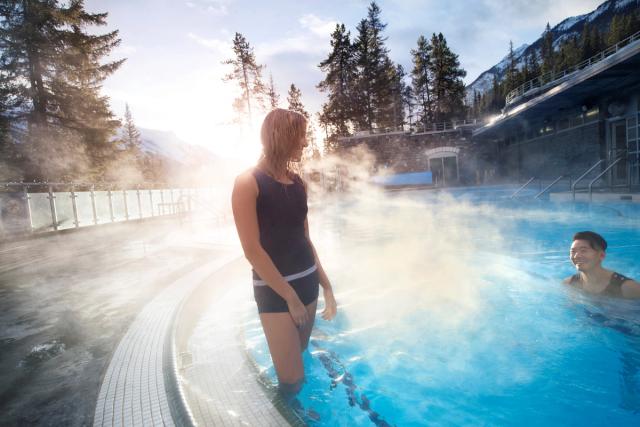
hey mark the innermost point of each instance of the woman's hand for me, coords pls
(330, 306)
(298, 311)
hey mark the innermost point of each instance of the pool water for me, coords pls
(451, 313)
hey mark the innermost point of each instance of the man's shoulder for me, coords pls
(630, 288)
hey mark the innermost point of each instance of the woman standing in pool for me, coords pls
(270, 211)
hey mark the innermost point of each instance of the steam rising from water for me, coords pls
(396, 254)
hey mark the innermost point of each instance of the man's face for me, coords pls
(584, 257)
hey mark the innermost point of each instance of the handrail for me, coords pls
(523, 187)
(552, 77)
(549, 186)
(600, 175)
(573, 186)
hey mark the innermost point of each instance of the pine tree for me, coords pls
(294, 98)
(131, 133)
(586, 45)
(533, 65)
(616, 29)
(512, 69)
(339, 84)
(51, 78)
(272, 95)
(398, 92)
(421, 80)
(248, 75)
(373, 92)
(547, 53)
(448, 87)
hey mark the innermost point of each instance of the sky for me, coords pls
(172, 78)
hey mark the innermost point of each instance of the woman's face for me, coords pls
(296, 153)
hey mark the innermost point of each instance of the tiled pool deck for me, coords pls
(165, 370)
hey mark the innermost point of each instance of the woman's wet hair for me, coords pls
(595, 240)
(281, 132)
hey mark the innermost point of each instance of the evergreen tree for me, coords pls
(448, 87)
(533, 66)
(547, 52)
(587, 50)
(497, 97)
(398, 92)
(373, 92)
(568, 54)
(131, 133)
(616, 30)
(51, 80)
(294, 98)
(421, 81)
(408, 103)
(248, 75)
(272, 95)
(512, 69)
(339, 84)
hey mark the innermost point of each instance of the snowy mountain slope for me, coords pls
(167, 144)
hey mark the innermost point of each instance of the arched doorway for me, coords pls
(443, 164)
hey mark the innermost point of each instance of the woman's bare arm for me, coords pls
(243, 202)
(331, 307)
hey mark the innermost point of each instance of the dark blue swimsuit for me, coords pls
(613, 289)
(281, 210)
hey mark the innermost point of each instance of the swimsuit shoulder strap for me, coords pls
(615, 284)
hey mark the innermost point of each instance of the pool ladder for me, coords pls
(541, 192)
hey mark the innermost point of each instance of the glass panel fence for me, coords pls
(64, 210)
(103, 207)
(40, 212)
(117, 200)
(103, 211)
(145, 201)
(158, 199)
(132, 204)
(85, 209)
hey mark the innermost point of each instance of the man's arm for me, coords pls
(630, 289)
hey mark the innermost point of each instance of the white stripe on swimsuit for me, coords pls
(290, 277)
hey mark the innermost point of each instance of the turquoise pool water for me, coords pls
(451, 313)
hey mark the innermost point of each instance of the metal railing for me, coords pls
(40, 207)
(607, 169)
(522, 187)
(581, 177)
(548, 187)
(551, 78)
(418, 128)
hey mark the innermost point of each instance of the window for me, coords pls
(591, 115)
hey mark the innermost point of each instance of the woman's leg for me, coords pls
(305, 331)
(284, 345)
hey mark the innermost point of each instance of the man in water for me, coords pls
(587, 253)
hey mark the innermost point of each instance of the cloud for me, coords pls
(312, 40)
(219, 46)
(318, 26)
(214, 7)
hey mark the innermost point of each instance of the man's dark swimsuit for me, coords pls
(613, 289)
